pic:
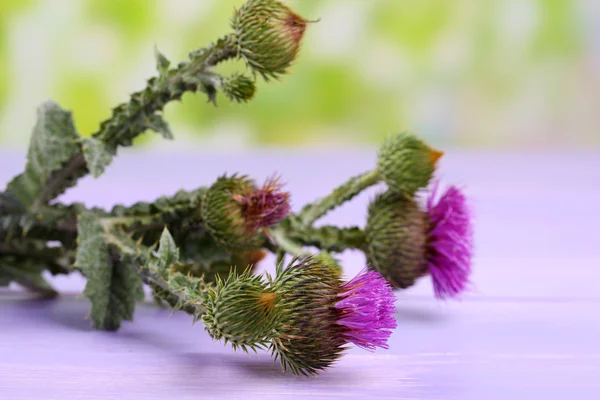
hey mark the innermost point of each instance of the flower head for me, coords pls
(265, 206)
(406, 241)
(268, 35)
(234, 209)
(406, 163)
(367, 307)
(450, 242)
(323, 314)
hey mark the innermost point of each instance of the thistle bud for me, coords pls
(240, 310)
(238, 87)
(268, 36)
(406, 164)
(321, 315)
(405, 242)
(234, 210)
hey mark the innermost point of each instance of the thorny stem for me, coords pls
(312, 212)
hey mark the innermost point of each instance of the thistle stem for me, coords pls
(130, 119)
(312, 212)
(286, 244)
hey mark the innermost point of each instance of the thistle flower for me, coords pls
(450, 245)
(367, 306)
(323, 315)
(406, 163)
(240, 310)
(405, 242)
(234, 209)
(265, 206)
(268, 36)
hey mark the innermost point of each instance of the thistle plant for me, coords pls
(197, 249)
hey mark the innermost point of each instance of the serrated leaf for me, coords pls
(159, 125)
(97, 155)
(162, 63)
(26, 273)
(53, 143)
(112, 286)
(10, 204)
(168, 253)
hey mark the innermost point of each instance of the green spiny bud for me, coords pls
(268, 36)
(406, 163)
(327, 259)
(310, 338)
(241, 310)
(238, 87)
(224, 216)
(396, 234)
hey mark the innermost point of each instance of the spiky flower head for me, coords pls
(234, 209)
(268, 36)
(241, 310)
(406, 163)
(238, 87)
(322, 315)
(405, 242)
(264, 206)
(396, 235)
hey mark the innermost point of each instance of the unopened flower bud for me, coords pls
(240, 310)
(268, 36)
(406, 163)
(238, 87)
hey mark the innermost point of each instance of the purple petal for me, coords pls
(367, 310)
(450, 242)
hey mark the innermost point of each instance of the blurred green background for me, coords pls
(470, 73)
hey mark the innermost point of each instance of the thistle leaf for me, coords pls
(112, 287)
(53, 142)
(97, 155)
(157, 123)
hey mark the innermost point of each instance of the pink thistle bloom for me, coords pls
(367, 310)
(265, 206)
(450, 246)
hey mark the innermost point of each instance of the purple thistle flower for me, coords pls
(450, 246)
(367, 307)
(265, 206)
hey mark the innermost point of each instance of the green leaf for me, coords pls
(53, 143)
(167, 249)
(10, 204)
(26, 273)
(159, 125)
(162, 63)
(112, 286)
(97, 155)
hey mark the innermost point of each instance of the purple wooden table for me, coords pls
(529, 329)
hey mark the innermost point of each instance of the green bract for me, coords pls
(268, 36)
(406, 163)
(396, 235)
(223, 216)
(241, 310)
(309, 339)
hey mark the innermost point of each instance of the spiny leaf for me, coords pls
(162, 63)
(26, 273)
(53, 143)
(112, 286)
(97, 155)
(159, 125)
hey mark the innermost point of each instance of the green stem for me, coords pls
(287, 245)
(312, 212)
(130, 119)
(330, 238)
